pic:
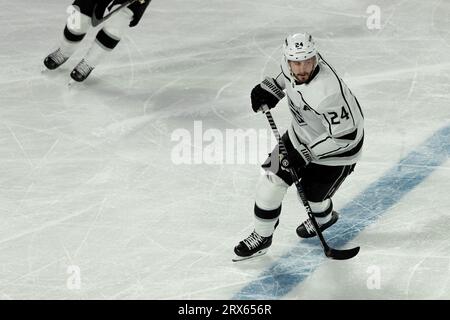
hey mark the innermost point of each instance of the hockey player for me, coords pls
(323, 142)
(79, 22)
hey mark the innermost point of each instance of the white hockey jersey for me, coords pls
(328, 123)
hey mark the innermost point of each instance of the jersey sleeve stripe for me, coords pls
(333, 151)
(359, 107)
(347, 153)
(307, 104)
(349, 136)
(319, 142)
(329, 124)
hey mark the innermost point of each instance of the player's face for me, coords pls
(302, 70)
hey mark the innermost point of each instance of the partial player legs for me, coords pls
(106, 40)
(78, 24)
(269, 195)
(75, 30)
(320, 183)
(270, 192)
(324, 215)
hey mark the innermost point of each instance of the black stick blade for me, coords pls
(341, 254)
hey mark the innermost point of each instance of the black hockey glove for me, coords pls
(284, 162)
(266, 93)
(299, 158)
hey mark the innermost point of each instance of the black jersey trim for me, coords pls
(297, 116)
(359, 107)
(321, 156)
(340, 86)
(348, 153)
(319, 142)
(307, 104)
(349, 136)
(329, 124)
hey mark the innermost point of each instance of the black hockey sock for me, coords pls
(266, 220)
(106, 40)
(72, 37)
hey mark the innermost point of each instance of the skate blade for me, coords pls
(44, 69)
(257, 254)
(71, 83)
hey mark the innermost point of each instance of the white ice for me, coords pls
(93, 207)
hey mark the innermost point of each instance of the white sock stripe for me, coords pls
(319, 207)
(265, 227)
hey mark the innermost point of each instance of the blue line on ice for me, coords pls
(295, 266)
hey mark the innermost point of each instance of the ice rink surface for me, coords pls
(93, 206)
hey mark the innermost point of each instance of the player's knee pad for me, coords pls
(77, 24)
(116, 25)
(270, 191)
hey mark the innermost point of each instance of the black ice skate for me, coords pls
(81, 71)
(306, 229)
(253, 246)
(55, 59)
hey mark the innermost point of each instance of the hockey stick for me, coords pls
(96, 21)
(329, 252)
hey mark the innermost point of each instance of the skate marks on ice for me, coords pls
(294, 267)
(440, 21)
